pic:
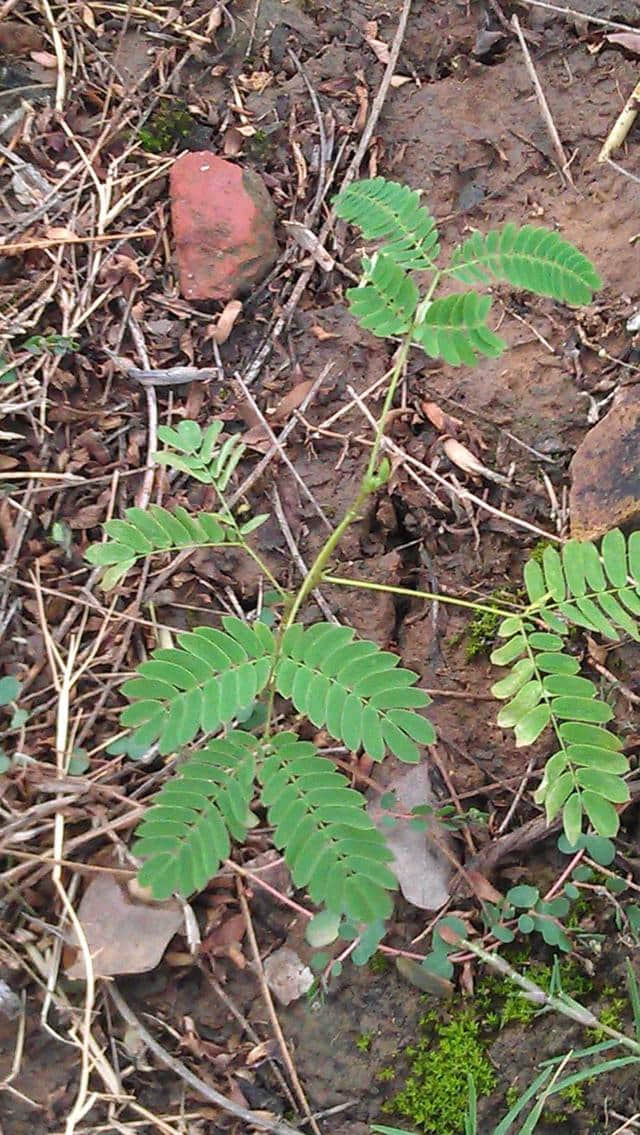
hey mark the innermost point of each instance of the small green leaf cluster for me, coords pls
(437, 961)
(451, 327)
(598, 590)
(532, 915)
(10, 689)
(145, 532)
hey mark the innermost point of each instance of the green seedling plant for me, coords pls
(196, 693)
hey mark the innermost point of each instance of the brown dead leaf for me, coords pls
(232, 930)
(233, 142)
(215, 19)
(7, 462)
(291, 401)
(87, 517)
(56, 232)
(468, 462)
(378, 47)
(400, 80)
(226, 320)
(629, 40)
(88, 17)
(482, 888)
(321, 334)
(438, 417)
(44, 59)
(257, 81)
(266, 1050)
(124, 935)
(123, 272)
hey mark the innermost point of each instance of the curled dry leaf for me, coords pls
(308, 241)
(468, 462)
(226, 320)
(400, 80)
(233, 142)
(442, 421)
(416, 975)
(482, 888)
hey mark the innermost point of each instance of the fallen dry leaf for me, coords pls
(287, 977)
(321, 334)
(468, 462)
(291, 401)
(124, 935)
(420, 867)
(438, 417)
(400, 80)
(416, 975)
(218, 940)
(44, 59)
(379, 49)
(226, 320)
(482, 888)
(630, 40)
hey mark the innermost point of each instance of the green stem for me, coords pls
(367, 486)
(572, 1010)
(345, 581)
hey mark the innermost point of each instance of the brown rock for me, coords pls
(605, 471)
(223, 221)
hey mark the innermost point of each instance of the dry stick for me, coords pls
(632, 177)
(573, 12)
(352, 169)
(246, 393)
(61, 84)
(144, 496)
(622, 125)
(297, 556)
(462, 494)
(248, 1028)
(256, 1119)
(543, 104)
(70, 238)
(268, 1000)
(280, 440)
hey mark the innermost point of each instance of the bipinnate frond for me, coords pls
(390, 212)
(386, 301)
(455, 329)
(354, 690)
(530, 257)
(184, 835)
(329, 842)
(145, 532)
(200, 685)
(598, 590)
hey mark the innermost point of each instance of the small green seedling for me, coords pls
(197, 692)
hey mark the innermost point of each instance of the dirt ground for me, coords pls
(466, 129)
